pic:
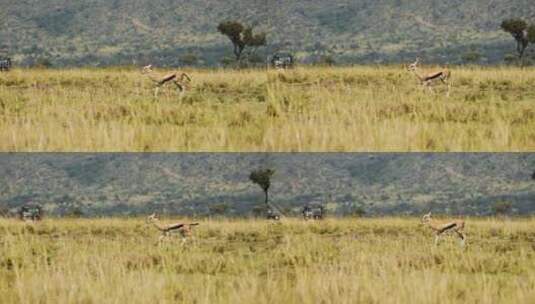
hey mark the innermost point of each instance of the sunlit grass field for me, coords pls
(387, 260)
(307, 109)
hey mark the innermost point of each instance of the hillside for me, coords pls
(192, 184)
(103, 32)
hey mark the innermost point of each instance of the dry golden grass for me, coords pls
(308, 109)
(245, 261)
(384, 109)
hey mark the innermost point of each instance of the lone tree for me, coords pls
(262, 177)
(242, 37)
(523, 34)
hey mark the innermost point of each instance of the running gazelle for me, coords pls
(427, 80)
(182, 228)
(180, 80)
(456, 226)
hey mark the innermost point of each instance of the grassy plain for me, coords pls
(308, 109)
(388, 260)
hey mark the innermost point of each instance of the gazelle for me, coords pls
(182, 228)
(428, 79)
(439, 228)
(181, 80)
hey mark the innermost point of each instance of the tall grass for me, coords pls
(308, 109)
(246, 261)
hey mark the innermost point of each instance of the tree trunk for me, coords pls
(267, 198)
(238, 52)
(520, 49)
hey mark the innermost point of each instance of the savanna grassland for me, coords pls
(254, 261)
(307, 109)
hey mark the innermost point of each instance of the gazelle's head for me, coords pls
(152, 217)
(426, 218)
(413, 66)
(147, 69)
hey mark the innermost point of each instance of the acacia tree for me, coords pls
(242, 37)
(262, 177)
(523, 34)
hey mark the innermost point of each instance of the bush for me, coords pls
(219, 209)
(43, 63)
(327, 60)
(502, 207)
(471, 56)
(358, 212)
(189, 59)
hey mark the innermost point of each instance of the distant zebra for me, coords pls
(313, 212)
(31, 212)
(5, 64)
(282, 61)
(273, 214)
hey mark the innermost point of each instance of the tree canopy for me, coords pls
(242, 37)
(523, 33)
(262, 177)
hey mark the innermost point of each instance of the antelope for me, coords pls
(181, 80)
(182, 228)
(439, 228)
(428, 79)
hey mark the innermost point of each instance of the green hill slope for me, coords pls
(112, 184)
(101, 32)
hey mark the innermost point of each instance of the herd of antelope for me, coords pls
(182, 80)
(182, 83)
(439, 228)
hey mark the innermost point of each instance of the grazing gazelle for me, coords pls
(181, 80)
(439, 228)
(428, 79)
(182, 228)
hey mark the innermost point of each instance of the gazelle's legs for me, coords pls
(462, 237)
(428, 85)
(181, 89)
(161, 238)
(437, 238)
(448, 85)
(179, 86)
